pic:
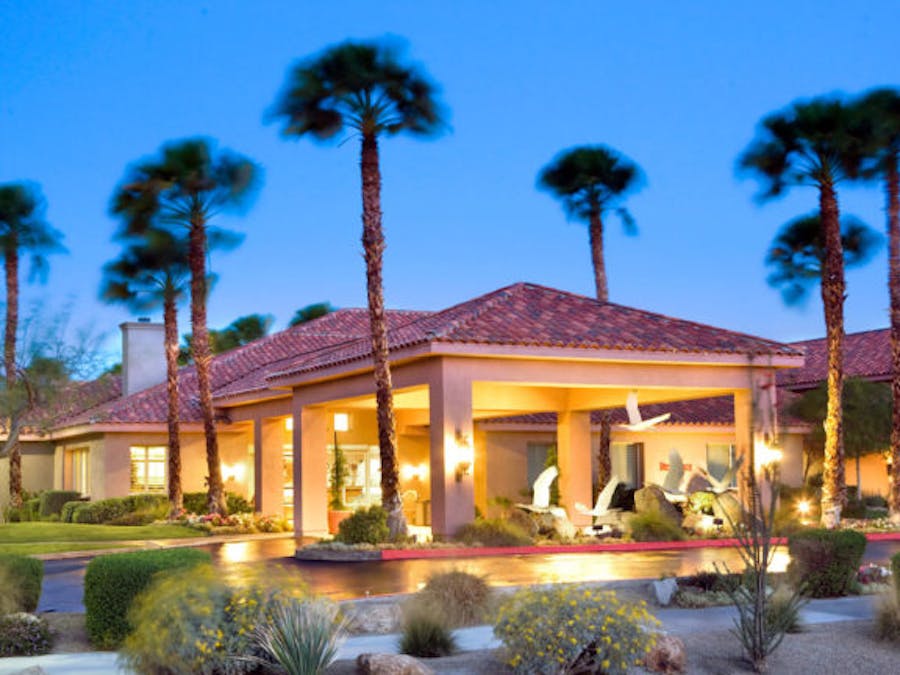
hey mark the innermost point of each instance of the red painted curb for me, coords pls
(623, 547)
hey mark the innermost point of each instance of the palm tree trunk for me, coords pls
(170, 321)
(596, 238)
(892, 187)
(373, 247)
(215, 501)
(833, 287)
(604, 460)
(9, 358)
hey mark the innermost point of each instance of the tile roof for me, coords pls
(530, 315)
(866, 354)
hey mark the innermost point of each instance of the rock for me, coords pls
(693, 522)
(524, 520)
(390, 664)
(727, 507)
(667, 655)
(563, 529)
(697, 483)
(652, 499)
(371, 617)
(664, 589)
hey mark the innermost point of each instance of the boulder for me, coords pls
(390, 664)
(652, 499)
(667, 655)
(563, 529)
(727, 507)
(525, 520)
(664, 590)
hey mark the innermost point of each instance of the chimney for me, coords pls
(143, 355)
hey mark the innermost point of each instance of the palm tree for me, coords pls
(365, 87)
(797, 254)
(590, 180)
(310, 312)
(22, 228)
(811, 144)
(880, 120)
(152, 270)
(184, 187)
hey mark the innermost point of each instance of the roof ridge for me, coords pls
(886, 329)
(482, 304)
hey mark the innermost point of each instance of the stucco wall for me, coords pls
(873, 474)
(37, 470)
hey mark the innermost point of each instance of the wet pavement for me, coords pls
(64, 579)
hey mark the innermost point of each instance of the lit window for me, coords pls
(148, 468)
(75, 471)
(719, 460)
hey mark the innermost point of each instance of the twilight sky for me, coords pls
(89, 87)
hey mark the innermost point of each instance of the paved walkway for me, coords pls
(679, 621)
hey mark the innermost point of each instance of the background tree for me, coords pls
(590, 181)
(366, 88)
(184, 187)
(22, 229)
(867, 418)
(152, 270)
(311, 312)
(241, 331)
(879, 112)
(811, 144)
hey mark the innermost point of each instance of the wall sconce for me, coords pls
(341, 422)
(234, 472)
(465, 456)
(289, 423)
(411, 471)
(766, 455)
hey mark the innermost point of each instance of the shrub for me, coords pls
(654, 526)
(426, 633)
(22, 577)
(494, 532)
(195, 502)
(887, 616)
(111, 583)
(52, 501)
(783, 611)
(824, 563)
(301, 636)
(875, 501)
(31, 509)
(462, 597)
(365, 526)
(131, 510)
(199, 622)
(895, 572)
(98, 513)
(573, 629)
(24, 634)
(68, 510)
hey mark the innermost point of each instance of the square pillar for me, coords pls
(452, 451)
(479, 438)
(268, 466)
(573, 451)
(310, 472)
(743, 438)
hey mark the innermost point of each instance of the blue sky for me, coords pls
(89, 87)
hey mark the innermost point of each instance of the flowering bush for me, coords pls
(23, 634)
(239, 523)
(873, 574)
(573, 629)
(198, 622)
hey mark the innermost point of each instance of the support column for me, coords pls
(310, 472)
(743, 438)
(573, 449)
(479, 438)
(268, 466)
(451, 430)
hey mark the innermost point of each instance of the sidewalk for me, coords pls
(679, 621)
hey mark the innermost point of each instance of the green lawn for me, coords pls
(34, 538)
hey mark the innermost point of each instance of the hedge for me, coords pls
(825, 563)
(195, 502)
(25, 574)
(52, 501)
(112, 582)
(120, 510)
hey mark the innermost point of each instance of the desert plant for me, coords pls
(654, 526)
(493, 532)
(301, 637)
(783, 610)
(887, 616)
(24, 634)
(197, 621)
(462, 597)
(426, 632)
(365, 526)
(112, 582)
(825, 562)
(573, 629)
(52, 501)
(21, 583)
(338, 477)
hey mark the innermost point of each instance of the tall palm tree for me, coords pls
(367, 89)
(22, 229)
(879, 112)
(811, 144)
(590, 180)
(184, 187)
(797, 255)
(152, 270)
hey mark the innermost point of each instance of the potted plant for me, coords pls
(337, 510)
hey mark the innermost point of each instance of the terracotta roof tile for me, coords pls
(866, 354)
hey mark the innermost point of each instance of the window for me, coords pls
(537, 459)
(628, 463)
(75, 470)
(719, 459)
(148, 468)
